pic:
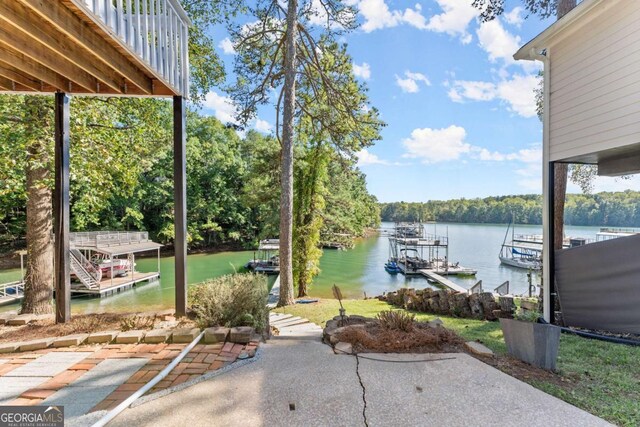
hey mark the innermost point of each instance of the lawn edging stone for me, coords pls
(102, 337)
(216, 335)
(130, 337)
(185, 335)
(70, 340)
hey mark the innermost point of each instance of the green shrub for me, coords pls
(232, 300)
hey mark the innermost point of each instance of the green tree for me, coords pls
(280, 50)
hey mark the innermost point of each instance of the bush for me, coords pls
(232, 300)
(396, 320)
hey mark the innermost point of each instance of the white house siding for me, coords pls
(595, 83)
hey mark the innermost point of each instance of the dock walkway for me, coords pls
(430, 274)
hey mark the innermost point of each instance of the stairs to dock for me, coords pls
(294, 328)
(88, 275)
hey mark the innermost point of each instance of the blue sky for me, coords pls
(460, 112)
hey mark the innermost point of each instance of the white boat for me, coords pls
(522, 251)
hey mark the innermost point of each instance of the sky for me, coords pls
(460, 112)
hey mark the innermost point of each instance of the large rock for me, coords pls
(489, 305)
(475, 305)
(459, 305)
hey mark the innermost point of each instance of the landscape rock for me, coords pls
(475, 305)
(70, 340)
(435, 323)
(6, 317)
(185, 335)
(215, 335)
(477, 348)
(102, 337)
(241, 334)
(130, 337)
(343, 348)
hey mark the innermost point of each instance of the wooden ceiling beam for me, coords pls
(7, 84)
(19, 77)
(40, 53)
(81, 33)
(32, 25)
(32, 68)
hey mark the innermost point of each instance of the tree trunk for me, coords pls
(561, 169)
(286, 159)
(38, 289)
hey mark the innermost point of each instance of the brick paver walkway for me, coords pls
(201, 359)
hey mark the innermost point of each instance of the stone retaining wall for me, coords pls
(474, 306)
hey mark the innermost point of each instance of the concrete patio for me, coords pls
(301, 382)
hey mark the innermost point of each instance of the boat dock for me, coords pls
(430, 274)
(11, 292)
(118, 284)
(99, 265)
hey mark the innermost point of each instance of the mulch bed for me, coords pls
(370, 337)
(422, 338)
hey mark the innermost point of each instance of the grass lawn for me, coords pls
(599, 377)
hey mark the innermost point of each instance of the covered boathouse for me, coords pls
(99, 48)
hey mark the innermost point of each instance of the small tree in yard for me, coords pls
(282, 49)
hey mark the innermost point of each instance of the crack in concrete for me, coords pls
(364, 391)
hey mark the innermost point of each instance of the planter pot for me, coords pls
(534, 343)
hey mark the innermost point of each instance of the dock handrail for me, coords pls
(107, 238)
(17, 286)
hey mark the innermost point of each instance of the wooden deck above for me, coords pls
(111, 47)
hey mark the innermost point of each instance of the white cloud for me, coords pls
(514, 17)
(377, 15)
(366, 158)
(437, 145)
(222, 106)
(409, 84)
(363, 71)
(456, 16)
(498, 42)
(519, 93)
(516, 92)
(227, 46)
(263, 126)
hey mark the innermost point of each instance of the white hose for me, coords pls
(128, 401)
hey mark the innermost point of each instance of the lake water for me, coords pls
(357, 271)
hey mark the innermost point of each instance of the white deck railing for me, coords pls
(94, 239)
(157, 31)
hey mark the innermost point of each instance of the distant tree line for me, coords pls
(619, 209)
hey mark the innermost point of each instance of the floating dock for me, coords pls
(118, 284)
(430, 274)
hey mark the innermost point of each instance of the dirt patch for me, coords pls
(84, 323)
(525, 372)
